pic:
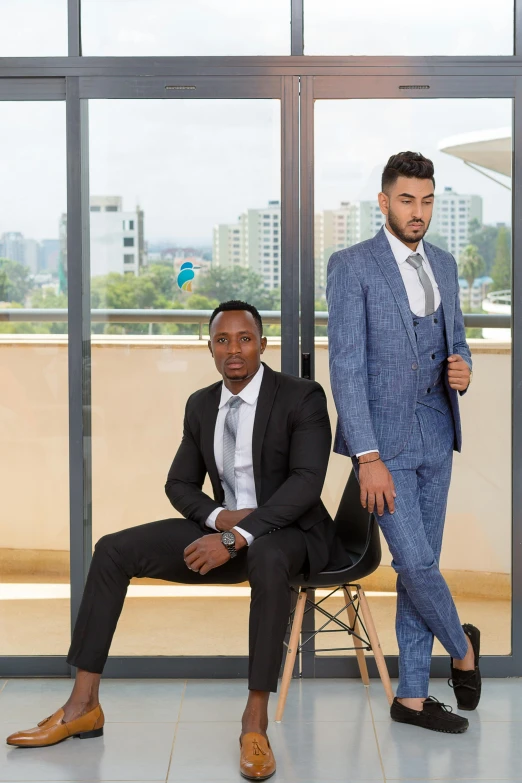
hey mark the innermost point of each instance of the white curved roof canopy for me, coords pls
(490, 149)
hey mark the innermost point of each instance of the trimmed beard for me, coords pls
(399, 233)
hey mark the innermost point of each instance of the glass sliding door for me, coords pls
(470, 143)
(185, 211)
(34, 446)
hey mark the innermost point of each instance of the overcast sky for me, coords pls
(192, 164)
(255, 27)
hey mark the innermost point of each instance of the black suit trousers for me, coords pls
(155, 550)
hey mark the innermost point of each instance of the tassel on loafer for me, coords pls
(53, 730)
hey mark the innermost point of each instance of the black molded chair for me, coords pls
(359, 534)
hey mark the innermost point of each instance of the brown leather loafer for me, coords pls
(53, 730)
(257, 760)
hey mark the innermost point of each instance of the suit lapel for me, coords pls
(383, 254)
(208, 426)
(265, 401)
(446, 288)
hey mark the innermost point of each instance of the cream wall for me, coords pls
(140, 386)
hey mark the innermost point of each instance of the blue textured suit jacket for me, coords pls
(373, 349)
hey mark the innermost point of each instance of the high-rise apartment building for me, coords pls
(49, 256)
(451, 218)
(254, 242)
(352, 222)
(116, 237)
(16, 247)
(12, 246)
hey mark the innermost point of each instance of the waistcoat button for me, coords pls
(436, 320)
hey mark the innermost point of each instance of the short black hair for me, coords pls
(237, 304)
(407, 164)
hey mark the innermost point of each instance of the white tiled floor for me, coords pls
(333, 731)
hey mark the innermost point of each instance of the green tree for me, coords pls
(47, 299)
(4, 285)
(437, 239)
(15, 281)
(501, 270)
(485, 238)
(225, 283)
(163, 277)
(471, 266)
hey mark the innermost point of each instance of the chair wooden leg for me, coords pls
(293, 646)
(376, 646)
(359, 649)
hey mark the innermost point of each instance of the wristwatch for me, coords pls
(228, 540)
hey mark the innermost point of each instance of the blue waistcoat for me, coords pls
(430, 332)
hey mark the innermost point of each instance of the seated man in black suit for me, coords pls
(264, 439)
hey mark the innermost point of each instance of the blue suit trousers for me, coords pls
(425, 607)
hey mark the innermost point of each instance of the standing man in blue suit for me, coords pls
(398, 361)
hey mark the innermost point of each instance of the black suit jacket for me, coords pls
(290, 449)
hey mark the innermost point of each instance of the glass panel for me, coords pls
(382, 28)
(33, 28)
(177, 225)
(185, 28)
(34, 452)
(472, 218)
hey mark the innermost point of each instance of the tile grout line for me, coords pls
(375, 733)
(176, 730)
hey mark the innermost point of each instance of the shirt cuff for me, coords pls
(247, 536)
(211, 520)
(367, 452)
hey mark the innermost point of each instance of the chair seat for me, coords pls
(360, 567)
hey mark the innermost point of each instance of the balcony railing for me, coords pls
(201, 317)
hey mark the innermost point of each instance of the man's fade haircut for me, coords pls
(237, 304)
(407, 164)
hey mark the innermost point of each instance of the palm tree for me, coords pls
(471, 266)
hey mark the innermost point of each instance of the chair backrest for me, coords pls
(356, 528)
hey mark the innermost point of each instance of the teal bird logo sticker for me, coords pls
(186, 275)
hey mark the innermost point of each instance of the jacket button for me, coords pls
(415, 323)
(414, 366)
(436, 320)
(432, 355)
(429, 391)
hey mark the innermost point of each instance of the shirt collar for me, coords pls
(249, 394)
(400, 250)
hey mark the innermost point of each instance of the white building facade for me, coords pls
(116, 237)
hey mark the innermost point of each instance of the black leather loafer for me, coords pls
(435, 716)
(468, 684)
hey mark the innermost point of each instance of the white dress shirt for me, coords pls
(410, 278)
(245, 489)
(409, 274)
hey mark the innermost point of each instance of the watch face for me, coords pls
(228, 538)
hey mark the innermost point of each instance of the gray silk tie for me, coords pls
(229, 452)
(415, 260)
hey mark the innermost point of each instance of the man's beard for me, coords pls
(401, 234)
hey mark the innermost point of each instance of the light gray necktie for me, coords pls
(229, 452)
(415, 260)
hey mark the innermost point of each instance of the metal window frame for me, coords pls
(301, 79)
